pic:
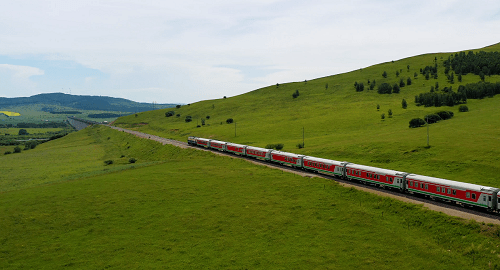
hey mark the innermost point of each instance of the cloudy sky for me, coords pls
(187, 51)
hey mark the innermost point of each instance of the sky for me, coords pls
(187, 51)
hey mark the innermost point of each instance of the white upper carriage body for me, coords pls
(321, 164)
(384, 176)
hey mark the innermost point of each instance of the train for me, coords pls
(464, 194)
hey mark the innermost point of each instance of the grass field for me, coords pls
(342, 124)
(15, 131)
(10, 113)
(188, 209)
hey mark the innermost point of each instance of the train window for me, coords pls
(484, 199)
(421, 185)
(438, 189)
(467, 194)
(473, 196)
(489, 198)
(426, 186)
(411, 183)
(448, 190)
(454, 192)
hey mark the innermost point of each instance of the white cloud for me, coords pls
(21, 72)
(190, 49)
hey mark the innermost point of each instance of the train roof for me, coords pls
(451, 183)
(286, 153)
(325, 160)
(374, 169)
(258, 148)
(235, 144)
(216, 141)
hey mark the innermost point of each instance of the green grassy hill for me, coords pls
(343, 124)
(61, 207)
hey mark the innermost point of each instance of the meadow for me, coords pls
(189, 209)
(342, 124)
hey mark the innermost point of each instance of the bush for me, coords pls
(300, 145)
(178, 106)
(17, 149)
(445, 115)
(384, 88)
(270, 146)
(132, 160)
(229, 120)
(432, 118)
(208, 117)
(279, 146)
(404, 104)
(416, 122)
(395, 88)
(296, 94)
(178, 115)
(23, 131)
(7, 152)
(169, 113)
(108, 162)
(463, 108)
(188, 119)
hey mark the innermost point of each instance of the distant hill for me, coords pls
(103, 103)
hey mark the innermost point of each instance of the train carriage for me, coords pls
(219, 145)
(236, 148)
(257, 152)
(326, 166)
(374, 175)
(192, 140)
(202, 142)
(465, 193)
(287, 158)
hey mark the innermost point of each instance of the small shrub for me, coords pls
(188, 119)
(198, 126)
(445, 114)
(270, 146)
(17, 149)
(404, 104)
(7, 152)
(300, 145)
(108, 162)
(208, 117)
(178, 106)
(178, 115)
(132, 160)
(463, 108)
(432, 118)
(416, 122)
(279, 146)
(229, 120)
(382, 116)
(169, 113)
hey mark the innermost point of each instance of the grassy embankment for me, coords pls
(343, 124)
(188, 209)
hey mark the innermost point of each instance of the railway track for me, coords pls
(452, 209)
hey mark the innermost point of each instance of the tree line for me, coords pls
(481, 63)
(450, 98)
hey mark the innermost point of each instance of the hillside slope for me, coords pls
(342, 124)
(83, 102)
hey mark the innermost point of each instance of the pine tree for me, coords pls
(404, 104)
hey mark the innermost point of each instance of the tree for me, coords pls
(326, 86)
(382, 116)
(169, 113)
(178, 106)
(23, 131)
(415, 75)
(208, 117)
(188, 119)
(378, 107)
(437, 86)
(397, 73)
(17, 149)
(384, 74)
(427, 76)
(408, 81)
(384, 88)
(202, 121)
(463, 108)
(481, 75)
(296, 94)
(360, 87)
(372, 85)
(389, 113)
(404, 104)
(416, 122)
(395, 88)
(401, 83)
(459, 77)
(229, 120)
(408, 67)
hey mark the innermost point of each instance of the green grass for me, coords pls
(15, 131)
(196, 210)
(342, 124)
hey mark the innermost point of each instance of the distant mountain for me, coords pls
(84, 102)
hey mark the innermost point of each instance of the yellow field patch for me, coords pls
(10, 113)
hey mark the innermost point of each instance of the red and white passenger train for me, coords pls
(435, 188)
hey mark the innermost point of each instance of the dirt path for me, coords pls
(446, 210)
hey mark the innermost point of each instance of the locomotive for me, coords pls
(461, 193)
